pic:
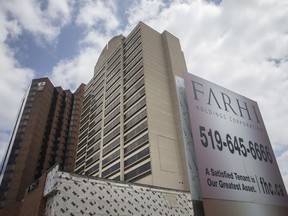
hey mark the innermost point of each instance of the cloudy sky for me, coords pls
(241, 45)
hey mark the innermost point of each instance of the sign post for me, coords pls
(234, 155)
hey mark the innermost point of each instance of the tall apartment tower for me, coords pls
(45, 133)
(130, 126)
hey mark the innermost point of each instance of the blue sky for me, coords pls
(241, 45)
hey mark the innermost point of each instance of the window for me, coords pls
(111, 170)
(96, 120)
(99, 74)
(92, 170)
(96, 113)
(136, 144)
(135, 98)
(94, 139)
(112, 124)
(134, 51)
(132, 90)
(83, 135)
(145, 169)
(128, 50)
(109, 159)
(86, 101)
(113, 73)
(94, 130)
(111, 146)
(95, 104)
(113, 57)
(79, 169)
(114, 67)
(140, 156)
(93, 159)
(130, 40)
(133, 58)
(98, 91)
(112, 81)
(85, 112)
(81, 152)
(135, 109)
(112, 106)
(132, 64)
(130, 70)
(112, 98)
(112, 115)
(94, 148)
(81, 143)
(80, 161)
(111, 135)
(135, 79)
(135, 120)
(84, 120)
(139, 129)
(117, 178)
(112, 90)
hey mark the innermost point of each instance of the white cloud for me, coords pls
(99, 20)
(42, 23)
(13, 80)
(144, 10)
(96, 39)
(59, 11)
(98, 14)
(70, 73)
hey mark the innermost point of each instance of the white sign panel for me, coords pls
(234, 155)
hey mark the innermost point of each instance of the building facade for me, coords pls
(45, 133)
(130, 127)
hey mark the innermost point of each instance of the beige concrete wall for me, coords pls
(176, 66)
(166, 161)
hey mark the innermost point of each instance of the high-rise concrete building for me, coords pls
(130, 127)
(45, 133)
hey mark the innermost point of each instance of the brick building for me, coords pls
(45, 133)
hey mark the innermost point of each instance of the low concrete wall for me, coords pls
(70, 194)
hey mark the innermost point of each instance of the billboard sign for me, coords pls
(234, 155)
